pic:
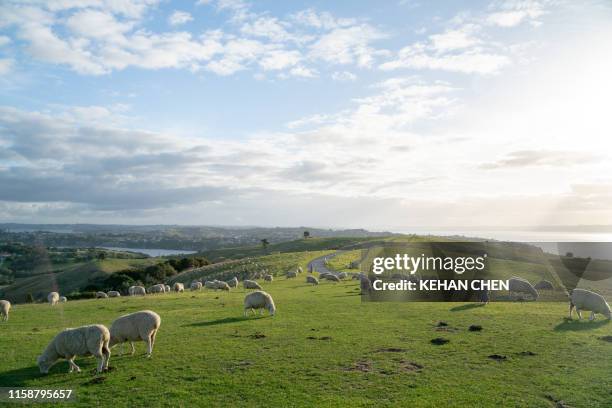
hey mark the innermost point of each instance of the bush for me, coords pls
(81, 295)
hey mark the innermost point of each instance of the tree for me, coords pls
(265, 243)
(306, 234)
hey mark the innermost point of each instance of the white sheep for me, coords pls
(101, 295)
(137, 291)
(268, 278)
(196, 285)
(167, 288)
(342, 275)
(249, 284)
(544, 285)
(223, 286)
(332, 278)
(53, 298)
(583, 299)
(299, 269)
(520, 285)
(114, 293)
(312, 279)
(211, 284)
(82, 341)
(291, 274)
(233, 282)
(323, 275)
(259, 300)
(179, 287)
(5, 307)
(159, 288)
(138, 326)
(63, 299)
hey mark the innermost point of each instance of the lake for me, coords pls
(152, 252)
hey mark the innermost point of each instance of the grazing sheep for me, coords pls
(114, 293)
(138, 326)
(137, 291)
(167, 288)
(249, 284)
(332, 278)
(101, 295)
(53, 298)
(159, 288)
(312, 279)
(520, 285)
(63, 299)
(223, 286)
(323, 275)
(196, 285)
(82, 341)
(233, 282)
(544, 285)
(5, 307)
(210, 284)
(299, 269)
(291, 274)
(268, 278)
(178, 287)
(365, 284)
(259, 300)
(342, 275)
(583, 299)
(484, 296)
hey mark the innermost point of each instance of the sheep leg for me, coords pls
(73, 366)
(245, 312)
(133, 348)
(153, 340)
(149, 347)
(592, 317)
(571, 307)
(579, 314)
(106, 353)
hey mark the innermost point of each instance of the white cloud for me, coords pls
(6, 65)
(343, 76)
(455, 39)
(513, 12)
(279, 59)
(348, 45)
(4, 40)
(179, 17)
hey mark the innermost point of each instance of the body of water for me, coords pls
(152, 252)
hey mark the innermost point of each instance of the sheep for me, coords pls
(583, 299)
(63, 299)
(355, 276)
(342, 275)
(299, 269)
(249, 284)
(268, 278)
(137, 326)
(179, 287)
(101, 295)
(5, 307)
(210, 284)
(520, 285)
(159, 288)
(544, 285)
(312, 279)
(332, 278)
(82, 341)
(259, 300)
(114, 293)
(323, 275)
(196, 285)
(53, 298)
(137, 291)
(291, 274)
(223, 286)
(233, 282)
(167, 288)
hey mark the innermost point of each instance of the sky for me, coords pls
(379, 115)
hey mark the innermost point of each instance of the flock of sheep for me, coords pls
(97, 340)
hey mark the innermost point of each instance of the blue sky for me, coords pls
(373, 114)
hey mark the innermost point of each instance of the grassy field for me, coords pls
(324, 348)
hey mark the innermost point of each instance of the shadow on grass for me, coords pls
(578, 325)
(467, 306)
(225, 320)
(19, 377)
